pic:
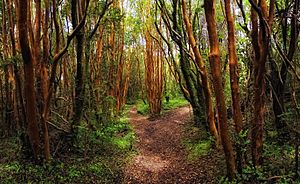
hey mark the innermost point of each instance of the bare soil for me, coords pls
(162, 157)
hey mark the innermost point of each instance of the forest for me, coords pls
(149, 91)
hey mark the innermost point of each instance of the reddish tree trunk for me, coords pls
(33, 131)
(44, 80)
(215, 61)
(261, 34)
(153, 76)
(204, 76)
(233, 65)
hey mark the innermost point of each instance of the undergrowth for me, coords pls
(278, 166)
(98, 157)
(196, 149)
(196, 144)
(143, 108)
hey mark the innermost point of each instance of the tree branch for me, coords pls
(72, 35)
(106, 6)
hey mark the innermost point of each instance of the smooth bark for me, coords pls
(30, 96)
(204, 75)
(215, 61)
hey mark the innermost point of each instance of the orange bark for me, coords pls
(215, 61)
(153, 78)
(261, 34)
(44, 81)
(33, 131)
(204, 75)
(233, 66)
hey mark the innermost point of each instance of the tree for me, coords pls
(28, 60)
(215, 60)
(186, 69)
(203, 74)
(77, 15)
(234, 83)
(261, 20)
(287, 52)
(153, 74)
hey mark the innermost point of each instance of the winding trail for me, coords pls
(161, 156)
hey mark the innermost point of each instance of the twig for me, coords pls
(57, 127)
(106, 6)
(66, 121)
(56, 149)
(285, 58)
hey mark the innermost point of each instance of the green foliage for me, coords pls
(224, 180)
(241, 140)
(291, 115)
(196, 143)
(13, 60)
(173, 103)
(279, 159)
(97, 155)
(85, 171)
(73, 172)
(96, 168)
(227, 88)
(196, 149)
(277, 168)
(250, 175)
(7, 171)
(115, 135)
(253, 174)
(124, 142)
(11, 149)
(118, 134)
(142, 108)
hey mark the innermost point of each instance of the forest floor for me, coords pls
(162, 155)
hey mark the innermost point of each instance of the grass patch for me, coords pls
(174, 103)
(196, 149)
(87, 171)
(143, 108)
(196, 142)
(124, 142)
(119, 135)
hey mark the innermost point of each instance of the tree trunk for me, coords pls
(77, 14)
(233, 66)
(204, 76)
(33, 131)
(17, 96)
(153, 76)
(7, 70)
(215, 61)
(189, 79)
(44, 79)
(261, 34)
(279, 77)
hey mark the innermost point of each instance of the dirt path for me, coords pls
(161, 156)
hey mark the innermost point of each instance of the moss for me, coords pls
(196, 149)
(124, 141)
